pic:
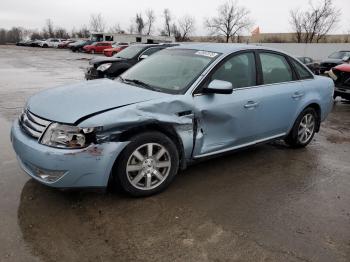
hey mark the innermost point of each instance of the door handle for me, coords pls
(297, 95)
(251, 104)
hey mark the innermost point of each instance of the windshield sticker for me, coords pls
(206, 53)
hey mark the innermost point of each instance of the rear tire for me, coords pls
(303, 129)
(147, 165)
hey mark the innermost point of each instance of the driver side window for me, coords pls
(240, 70)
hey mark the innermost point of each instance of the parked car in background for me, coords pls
(30, 43)
(112, 67)
(333, 60)
(341, 76)
(36, 42)
(64, 44)
(78, 46)
(310, 63)
(116, 48)
(51, 42)
(180, 105)
(23, 43)
(97, 47)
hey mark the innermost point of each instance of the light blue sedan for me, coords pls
(177, 106)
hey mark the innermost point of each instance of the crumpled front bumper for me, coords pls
(88, 167)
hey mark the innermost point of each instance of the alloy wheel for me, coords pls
(306, 128)
(148, 166)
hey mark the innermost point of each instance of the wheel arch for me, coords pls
(317, 108)
(164, 128)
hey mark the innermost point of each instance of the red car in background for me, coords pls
(116, 48)
(97, 47)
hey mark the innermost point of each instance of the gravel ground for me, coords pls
(267, 203)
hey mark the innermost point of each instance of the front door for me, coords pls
(228, 120)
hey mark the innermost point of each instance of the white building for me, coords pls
(131, 38)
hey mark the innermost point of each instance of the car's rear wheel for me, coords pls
(147, 165)
(303, 129)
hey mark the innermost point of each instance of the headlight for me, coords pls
(104, 67)
(67, 136)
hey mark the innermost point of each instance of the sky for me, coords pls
(272, 16)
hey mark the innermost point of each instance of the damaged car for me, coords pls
(180, 105)
(111, 67)
(341, 76)
(337, 58)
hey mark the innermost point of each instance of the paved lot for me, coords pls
(268, 203)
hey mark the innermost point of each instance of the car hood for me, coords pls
(69, 104)
(101, 60)
(332, 60)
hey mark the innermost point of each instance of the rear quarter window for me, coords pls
(302, 72)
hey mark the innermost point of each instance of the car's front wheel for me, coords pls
(147, 165)
(303, 129)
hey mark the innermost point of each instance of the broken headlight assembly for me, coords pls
(68, 136)
(104, 67)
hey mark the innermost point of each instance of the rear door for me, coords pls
(279, 95)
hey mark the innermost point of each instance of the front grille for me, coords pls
(32, 125)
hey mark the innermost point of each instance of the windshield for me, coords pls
(340, 55)
(130, 52)
(170, 71)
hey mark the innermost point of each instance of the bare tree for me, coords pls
(97, 23)
(3, 36)
(140, 25)
(60, 32)
(83, 32)
(186, 26)
(174, 30)
(315, 23)
(48, 29)
(131, 28)
(296, 21)
(117, 29)
(231, 18)
(150, 20)
(167, 22)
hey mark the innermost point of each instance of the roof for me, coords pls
(224, 48)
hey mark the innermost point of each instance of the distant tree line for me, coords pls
(232, 23)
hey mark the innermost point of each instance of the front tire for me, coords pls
(147, 165)
(303, 129)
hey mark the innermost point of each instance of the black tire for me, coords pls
(293, 139)
(121, 176)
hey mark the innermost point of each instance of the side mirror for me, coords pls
(219, 87)
(346, 59)
(143, 57)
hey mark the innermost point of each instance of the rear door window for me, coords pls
(275, 68)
